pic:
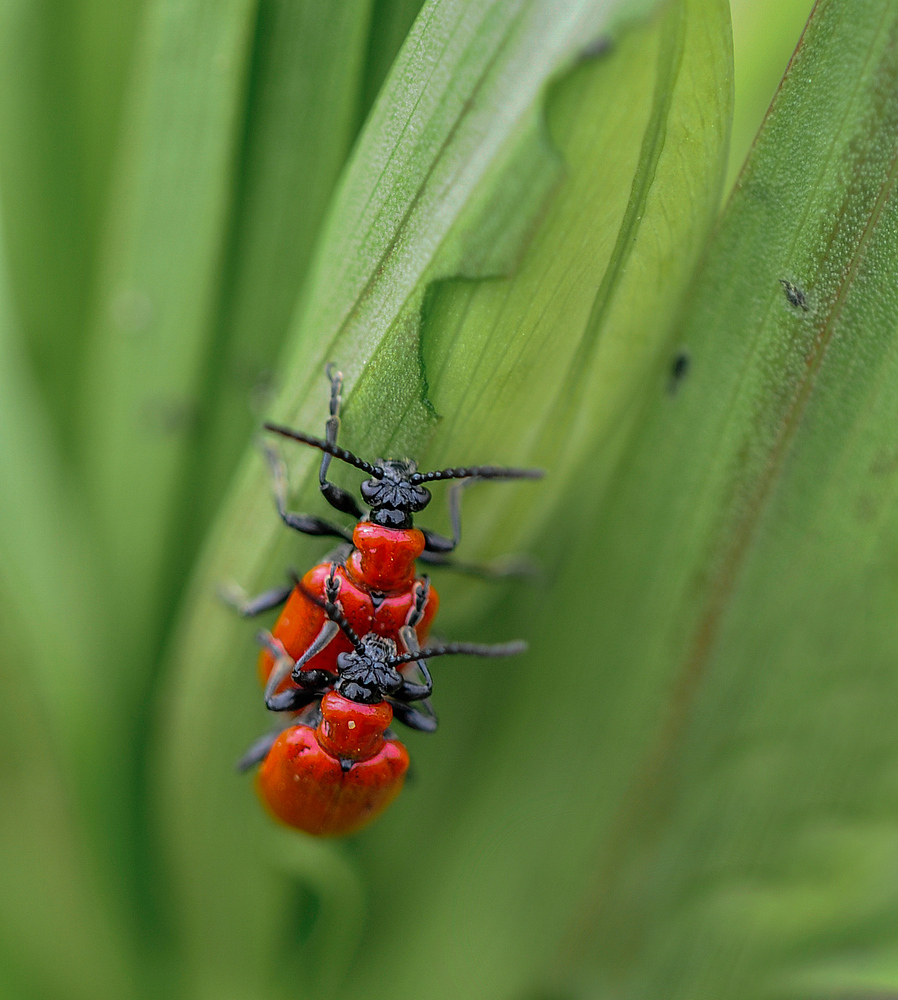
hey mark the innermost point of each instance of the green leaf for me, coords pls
(307, 74)
(156, 304)
(743, 601)
(62, 79)
(43, 210)
(64, 819)
(599, 215)
(391, 21)
(104, 35)
(765, 33)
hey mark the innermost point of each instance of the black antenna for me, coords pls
(454, 648)
(332, 611)
(328, 448)
(477, 472)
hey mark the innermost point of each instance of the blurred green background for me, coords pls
(506, 222)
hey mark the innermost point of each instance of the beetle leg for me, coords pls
(413, 717)
(306, 523)
(503, 568)
(416, 611)
(283, 662)
(411, 691)
(249, 607)
(439, 544)
(258, 750)
(292, 700)
(336, 497)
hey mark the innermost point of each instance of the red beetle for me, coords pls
(379, 588)
(333, 773)
(306, 784)
(378, 591)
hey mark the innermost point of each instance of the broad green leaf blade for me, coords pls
(307, 75)
(47, 228)
(621, 187)
(441, 184)
(743, 606)
(103, 43)
(65, 799)
(156, 304)
(507, 806)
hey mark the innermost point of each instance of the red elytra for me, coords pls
(333, 779)
(381, 566)
(303, 782)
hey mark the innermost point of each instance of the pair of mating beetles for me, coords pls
(348, 652)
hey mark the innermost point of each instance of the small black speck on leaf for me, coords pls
(679, 369)
(795, 295)
(599, 47)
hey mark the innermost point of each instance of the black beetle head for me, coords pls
(394, 497)
(367, 674)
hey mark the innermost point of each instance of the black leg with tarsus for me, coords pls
(306, 523)
(438, 544)
(258, 751)
(410, 716)
(338, 498)
(285, 666)
(437, 547)
(422, 717)
(312, 684)
(250, 607)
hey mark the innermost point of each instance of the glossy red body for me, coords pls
(383, 561)
(304, 785)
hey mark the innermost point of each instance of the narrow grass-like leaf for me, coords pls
(765, 32)
(62, 80)
(743, 598)
(508, 807)
(450, 177)
(391, 21)
(103, 43)
(156, 303)
(307, 75)
(65, 802)
(47, 229)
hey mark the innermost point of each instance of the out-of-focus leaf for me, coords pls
(744, 582)
(307, 72)
(391, 21)
(101, 48)
(61, 80)
(62, 856)
(41, 189)
(765, 33)
(451, 180)
(156, 304)
(54, 893)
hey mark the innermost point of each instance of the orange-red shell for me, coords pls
(383, 556)
(301, 781)
(350, 730)
(305, 787)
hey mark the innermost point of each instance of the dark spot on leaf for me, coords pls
(679, 369)
(795, 295)
(599, 47)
